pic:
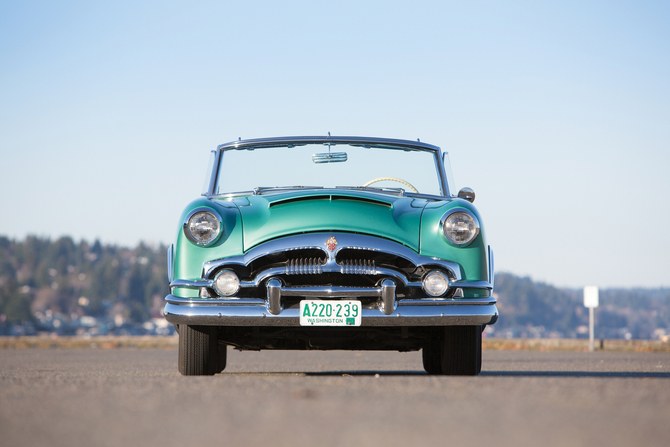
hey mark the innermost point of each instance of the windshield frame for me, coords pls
(289, 142)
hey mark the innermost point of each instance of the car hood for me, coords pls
(271, 216)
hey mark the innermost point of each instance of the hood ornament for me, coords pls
(331, 243)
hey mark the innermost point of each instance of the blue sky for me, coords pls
(555, 113)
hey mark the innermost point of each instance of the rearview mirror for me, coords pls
(329, 157)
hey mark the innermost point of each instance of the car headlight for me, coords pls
(226, 283)
(435, 283)
(202, 227)
(460, 227)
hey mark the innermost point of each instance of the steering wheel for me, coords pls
(391, 179)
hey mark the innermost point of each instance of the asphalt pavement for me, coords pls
(114, 397)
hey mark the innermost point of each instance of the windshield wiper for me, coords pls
(261, 189)
(397, 191)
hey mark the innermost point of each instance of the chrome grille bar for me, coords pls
(304, 266)
(358, 267)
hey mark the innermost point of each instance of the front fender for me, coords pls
(473, 258)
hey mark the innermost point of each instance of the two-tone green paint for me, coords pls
(252, 220)
(273, 216)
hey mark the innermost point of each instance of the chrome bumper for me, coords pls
(254, 312)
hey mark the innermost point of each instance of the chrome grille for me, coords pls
(304, 266)
(358, 267)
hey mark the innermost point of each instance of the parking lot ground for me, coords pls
(111, 397)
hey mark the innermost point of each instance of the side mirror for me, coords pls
(467, 194)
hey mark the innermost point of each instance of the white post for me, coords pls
(591, 301)
(590, 329)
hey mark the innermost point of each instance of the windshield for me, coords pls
(329, 166)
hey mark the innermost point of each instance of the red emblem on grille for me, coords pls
(331, 243)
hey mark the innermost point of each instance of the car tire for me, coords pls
(222, 358)
(198, 350)
(431, 353)
(432, 361)
(462, 350)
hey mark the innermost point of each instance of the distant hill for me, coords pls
(72, 287)
(538, 310)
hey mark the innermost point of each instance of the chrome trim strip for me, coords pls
(196, 284)
(448, 301)
(491, 270)
(192, 284)
(338, 189)
(472, 284)
(199, 302)
(170, 263)
(317, 241)
(303, 140)
(446, 314)
(331, 291)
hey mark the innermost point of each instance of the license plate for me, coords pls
(330, 313)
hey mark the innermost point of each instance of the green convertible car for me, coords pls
(331, 243)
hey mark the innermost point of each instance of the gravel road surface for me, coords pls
(128, 397)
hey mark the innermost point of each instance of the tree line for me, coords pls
(76, 279)
(80, 278)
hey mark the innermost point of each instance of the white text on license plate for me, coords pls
(330, 313)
